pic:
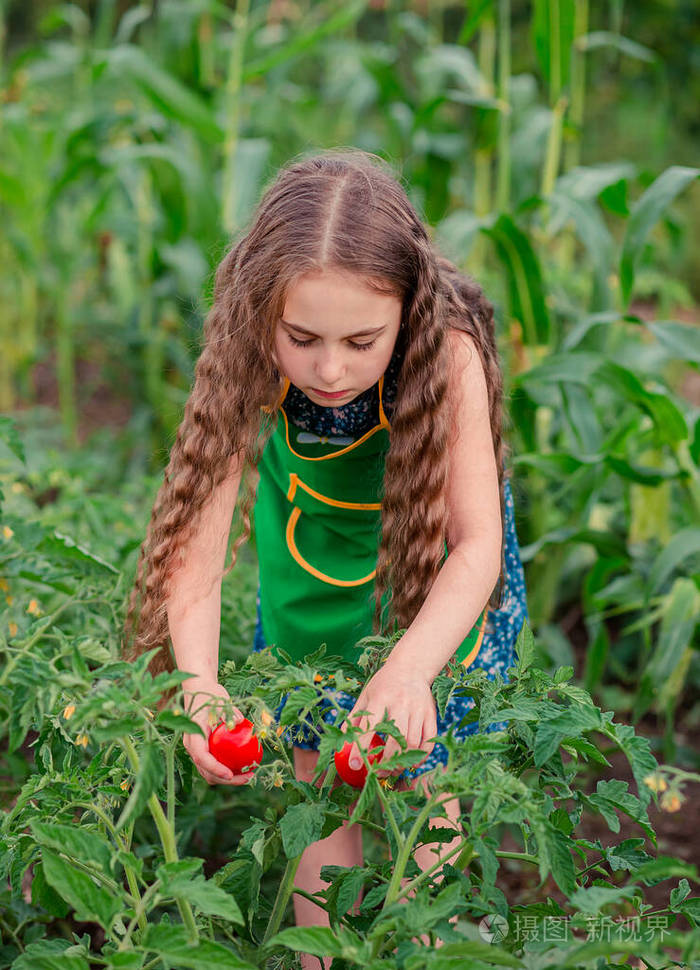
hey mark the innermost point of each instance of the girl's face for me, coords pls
(336, 334)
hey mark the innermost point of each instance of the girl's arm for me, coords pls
(401, 688)
(194, 601)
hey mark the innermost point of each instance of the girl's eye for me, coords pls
(305, 343)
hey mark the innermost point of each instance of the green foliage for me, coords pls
(134, 146)
(101, 820)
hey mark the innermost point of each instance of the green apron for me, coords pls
(318, 527)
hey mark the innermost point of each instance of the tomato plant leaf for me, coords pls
(637, 750)
(664, 867)
(90, 901)
(679, 894)
(613, 794)
(323, 941)
(524, 649)
(80, 842)
(593, 898)
(181, 880)
(172, 944)
(300, 826)
(49, 955)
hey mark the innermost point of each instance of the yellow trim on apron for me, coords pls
(383, 423)
(292, 546)
(471, 656)
(294, 480)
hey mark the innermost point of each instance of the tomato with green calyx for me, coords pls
(356, 776)
(236, 747)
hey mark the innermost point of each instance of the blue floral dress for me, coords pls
(496, 654)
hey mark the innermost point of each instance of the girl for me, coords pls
(350, 380)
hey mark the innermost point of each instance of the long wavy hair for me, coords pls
(343, 210)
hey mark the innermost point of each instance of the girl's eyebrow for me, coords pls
(360, 333)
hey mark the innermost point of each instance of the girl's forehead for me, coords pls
(338, 296)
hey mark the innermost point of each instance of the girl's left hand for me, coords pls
(403, 696)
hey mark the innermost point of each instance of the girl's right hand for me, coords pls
(196, 692)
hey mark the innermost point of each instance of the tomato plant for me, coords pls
(352, 776)
(236, 748)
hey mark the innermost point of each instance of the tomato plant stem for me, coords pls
(521, 856)
(283, 893)
(139, 914)
(423, 876)
(167, 838)
(170, 774)
(121, 844)
(406, 847)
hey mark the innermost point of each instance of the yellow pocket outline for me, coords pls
(294, 483)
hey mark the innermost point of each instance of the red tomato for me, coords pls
(236, 748)
(351, 776)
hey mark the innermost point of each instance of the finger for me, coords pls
(415, 733)
(366, 722)
(391, 747)
(212, 779)
(352, 717)
(215, 768)
(432, 733)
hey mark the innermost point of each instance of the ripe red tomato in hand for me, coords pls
(236, 748)
(352, 776)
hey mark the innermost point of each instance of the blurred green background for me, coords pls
(550, 148)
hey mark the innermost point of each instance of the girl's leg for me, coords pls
(343, 847)
(427, 855)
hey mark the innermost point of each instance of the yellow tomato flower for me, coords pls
(279, 781)
(149, 713)
(82, 739)
(7, 532)
(266, 717)
(33, 608)
(3, 585)
(656, 782)
(317, 678)
(280, 731)
(69, 711)
(9, 599)
(124, 786)
(671, 802)
(13, 629)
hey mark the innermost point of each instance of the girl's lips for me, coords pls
(326, 394)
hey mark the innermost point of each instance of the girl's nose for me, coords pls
(330, 370)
